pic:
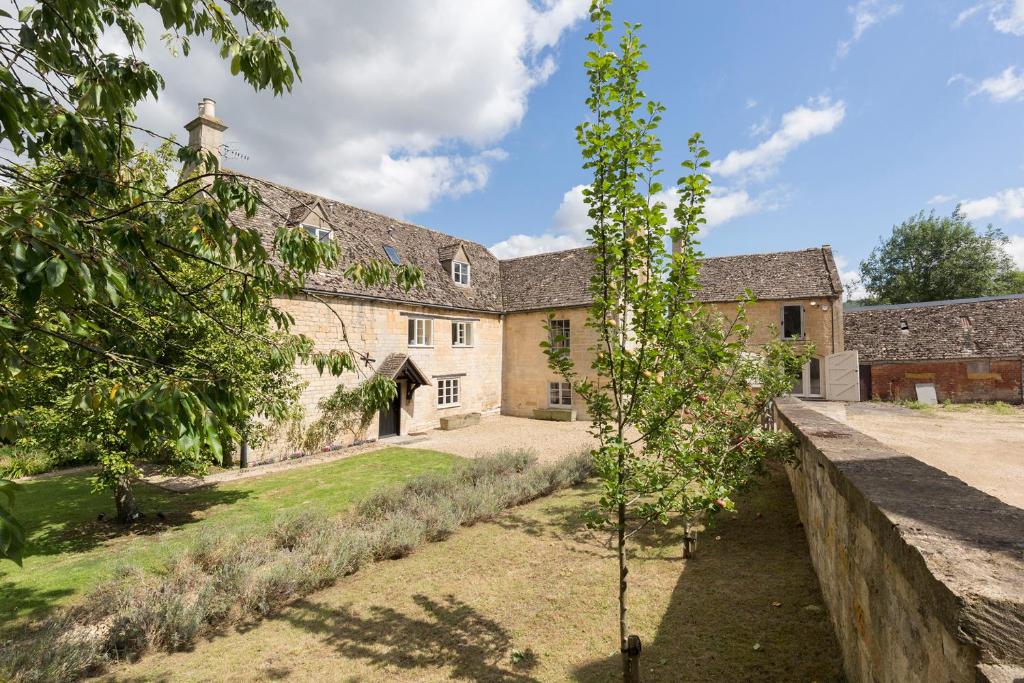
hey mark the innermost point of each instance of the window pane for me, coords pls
(815, 377)
(412, 331)
(792, 322)
(468, 341)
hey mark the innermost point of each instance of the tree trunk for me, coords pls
(124, 500)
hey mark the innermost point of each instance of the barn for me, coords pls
(968, 349)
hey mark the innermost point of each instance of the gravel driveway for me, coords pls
(549, 440)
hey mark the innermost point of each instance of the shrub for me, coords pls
(225, 577)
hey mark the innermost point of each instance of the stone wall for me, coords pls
(823, 322)
(526, 373)
(954, 380)
(380, 328)
(923, 575)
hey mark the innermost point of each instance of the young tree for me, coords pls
(81, 243)
(933, 258)
(677, 401)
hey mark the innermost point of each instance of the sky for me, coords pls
(828, 122)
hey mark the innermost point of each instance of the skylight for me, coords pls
(392, 254)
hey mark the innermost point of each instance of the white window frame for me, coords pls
(449, 392)
(421, 333)
(561, 392)
(803, 323)
(460, 273)
(462, 333)
(564, 331)
(322, 234)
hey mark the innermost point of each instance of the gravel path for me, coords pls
(549, 440)
(975, 445)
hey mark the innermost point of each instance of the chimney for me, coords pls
(206, 131)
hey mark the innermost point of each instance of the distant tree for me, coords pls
(83, 243)
(1013, 282)
(675, 398)
(931, 258)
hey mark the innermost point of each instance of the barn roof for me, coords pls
(989, 327)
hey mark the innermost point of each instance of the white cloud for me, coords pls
(968, 13)
(866, 14)
(1007, 85)
(941, 199)
(750, 103)
(1006, 16)
(1007, 205)
(1016, 249)
(571, 222)
(401, 104)
(852, 287)
(818, 117)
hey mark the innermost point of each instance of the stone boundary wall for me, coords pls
(922, 574)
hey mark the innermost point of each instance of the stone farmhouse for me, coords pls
(468, 341)
(968, 349)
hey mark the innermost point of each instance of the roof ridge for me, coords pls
(324, 198)
(932, 304)
(764, 253)
(545, 253)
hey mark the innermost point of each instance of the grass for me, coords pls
(235, 577)
(70, 551)
(993, 408)
(531, 596)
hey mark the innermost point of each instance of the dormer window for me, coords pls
(322, 234)
(460, 273)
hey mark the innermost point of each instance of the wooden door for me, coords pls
(390, 418)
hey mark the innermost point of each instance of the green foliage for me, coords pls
(934, 258)
(100, 257)
(238, 576)
(676, 400)
(349, 410)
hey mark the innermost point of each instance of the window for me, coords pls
(322, 234)
(421, 332)
(462, 333)
(559, 394)
(447, 392)
(392, 255)
(460, 273)
(978, 367)
(559, 334)
(793, 322)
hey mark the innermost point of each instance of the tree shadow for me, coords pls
(448, 634)
(63, 514)
(754, 586)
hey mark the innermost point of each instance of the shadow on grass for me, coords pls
(448, 634)
(61, 514)
(755, 586)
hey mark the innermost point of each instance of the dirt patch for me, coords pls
(531, 597)
(981, 446)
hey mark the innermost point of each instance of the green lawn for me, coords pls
(70, 550)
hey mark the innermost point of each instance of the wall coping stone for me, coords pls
(962, 548)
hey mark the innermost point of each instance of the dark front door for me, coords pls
(389, 417)
(865, 383)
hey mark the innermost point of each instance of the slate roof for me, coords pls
(991, 327)
(362, 236)
(553, 280)
(804, 274)
(396, 362)
(562, 278)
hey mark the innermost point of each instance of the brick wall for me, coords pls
(953, 380)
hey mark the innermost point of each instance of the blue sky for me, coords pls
(907, 137)
(830, 121)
